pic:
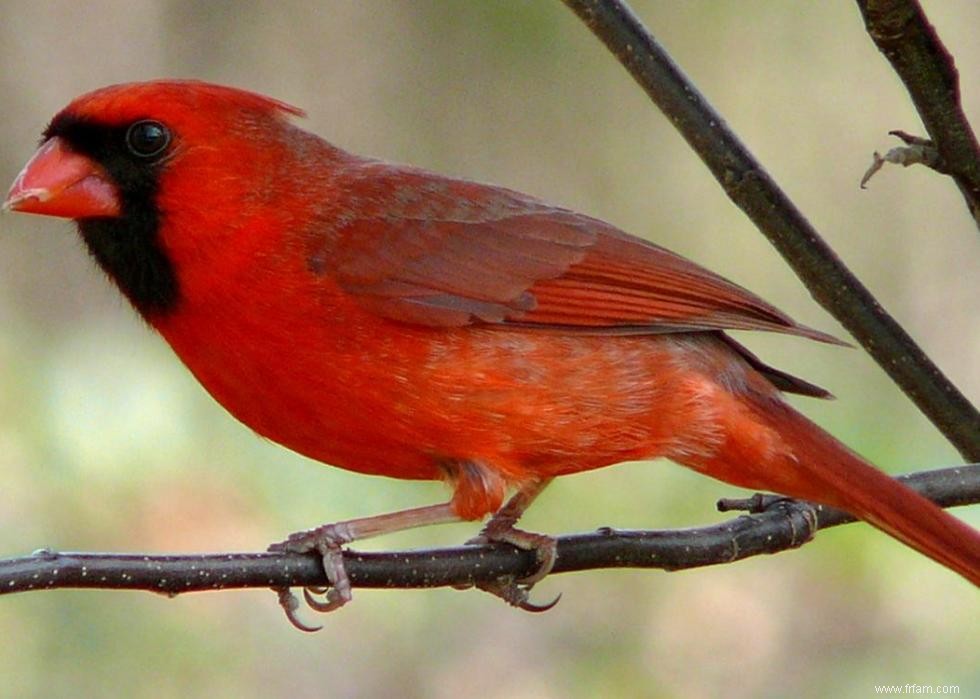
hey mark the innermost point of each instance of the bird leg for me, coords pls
(327, 541)
(501, 529)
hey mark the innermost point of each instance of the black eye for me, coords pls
(147, 139)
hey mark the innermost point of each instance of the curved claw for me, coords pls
(333, 599)
(290, 605)
(516, 595)
(546, 551)
(537, 608)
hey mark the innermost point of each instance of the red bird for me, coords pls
(396, 322)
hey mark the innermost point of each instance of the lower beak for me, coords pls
(59, 182)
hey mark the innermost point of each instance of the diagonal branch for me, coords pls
(903, 34)
(745, 181)
(784, 524)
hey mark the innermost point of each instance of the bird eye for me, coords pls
(147, 139)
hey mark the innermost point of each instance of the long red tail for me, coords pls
(795, 457)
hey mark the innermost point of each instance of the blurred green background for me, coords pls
(106, 443)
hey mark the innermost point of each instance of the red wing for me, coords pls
(440, 252)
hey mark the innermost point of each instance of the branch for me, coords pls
(748, 185)
(784, 524)
(901, 31)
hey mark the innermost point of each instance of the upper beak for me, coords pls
(59, 182)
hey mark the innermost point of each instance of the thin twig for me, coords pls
(901, 31)
(916, 151)
(785, 524)
(750, 187)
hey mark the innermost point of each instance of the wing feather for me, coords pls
(441, 252)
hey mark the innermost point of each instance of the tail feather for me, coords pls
(810, 464)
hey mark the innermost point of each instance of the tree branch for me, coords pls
(901, 31)
(784, 524)
(748, 185)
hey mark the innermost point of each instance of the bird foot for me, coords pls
(326, 541)
(501, 529)
(511, 590)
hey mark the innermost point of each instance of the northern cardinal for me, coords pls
(393, 321)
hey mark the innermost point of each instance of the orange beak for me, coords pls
(60, 182)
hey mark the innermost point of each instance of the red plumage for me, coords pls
(392, 321)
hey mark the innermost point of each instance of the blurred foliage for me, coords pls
(107, 443)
